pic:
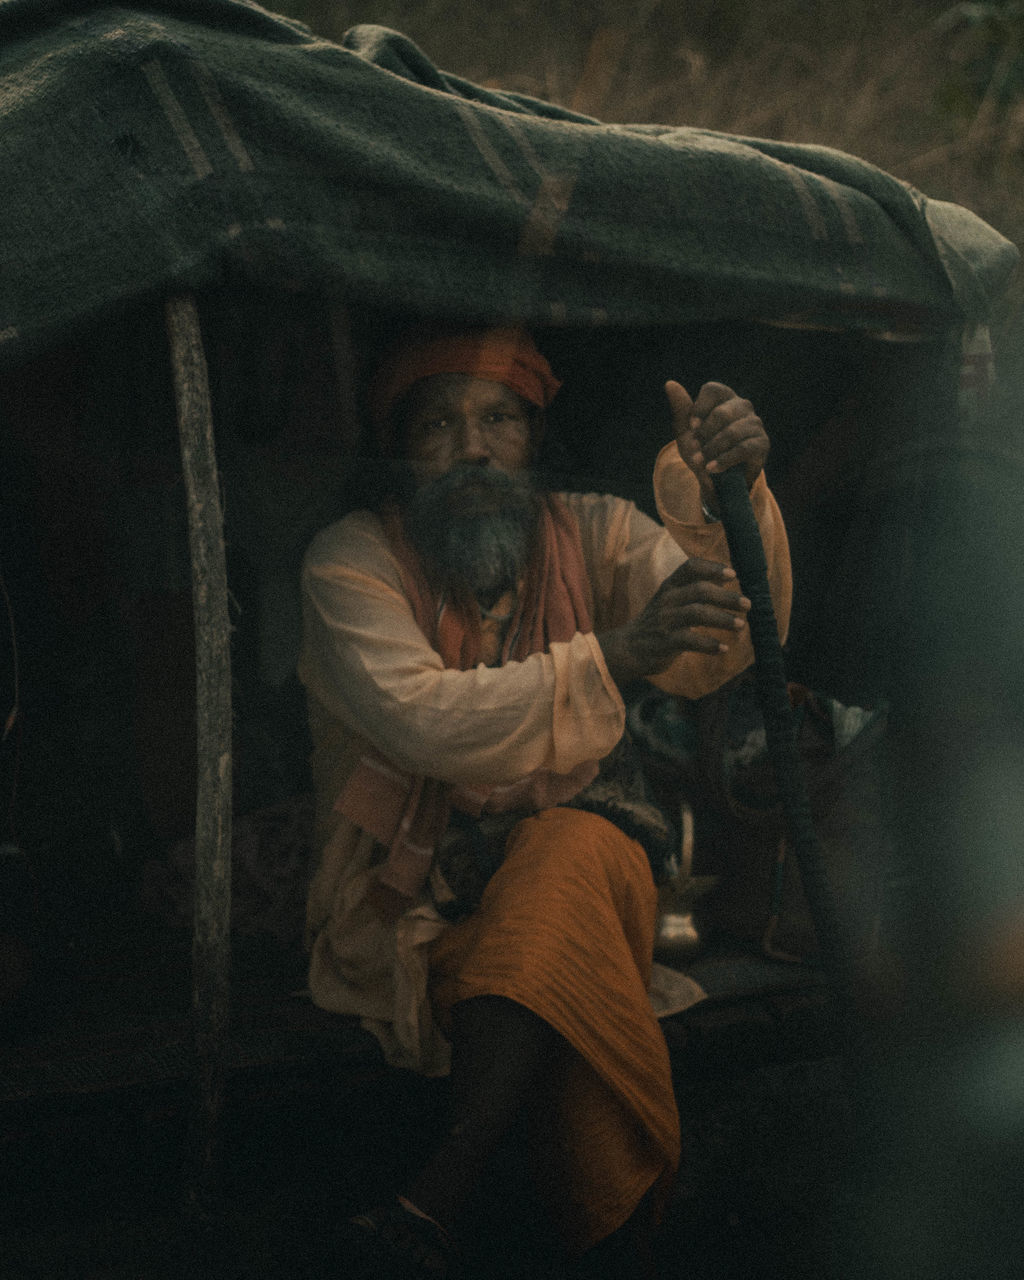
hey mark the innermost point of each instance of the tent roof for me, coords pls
(184, 141)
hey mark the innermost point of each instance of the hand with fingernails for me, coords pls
(717, 431)
(698, 608)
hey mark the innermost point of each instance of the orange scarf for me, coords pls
(409, 814)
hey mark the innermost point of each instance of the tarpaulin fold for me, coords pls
(177, 143)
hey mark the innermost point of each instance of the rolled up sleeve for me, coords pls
(678, 499)
(629, 555)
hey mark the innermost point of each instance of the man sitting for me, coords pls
(465, 648)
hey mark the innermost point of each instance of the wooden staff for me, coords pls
(211, 932)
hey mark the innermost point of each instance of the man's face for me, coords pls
(453, 419)
(474, 510)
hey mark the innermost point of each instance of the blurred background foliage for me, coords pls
(931, 92)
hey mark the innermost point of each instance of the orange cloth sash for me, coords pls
(410, 814)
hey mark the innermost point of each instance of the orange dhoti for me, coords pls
(566, 928)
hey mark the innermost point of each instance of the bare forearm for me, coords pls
(697, 609)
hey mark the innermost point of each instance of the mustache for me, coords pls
(468, 487)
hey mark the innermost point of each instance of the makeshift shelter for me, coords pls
(214, 147)
(310, 197)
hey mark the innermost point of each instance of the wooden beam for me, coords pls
(211, 937)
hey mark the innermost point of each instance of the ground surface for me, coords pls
(96, 1164)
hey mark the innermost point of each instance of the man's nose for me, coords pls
(473, 446)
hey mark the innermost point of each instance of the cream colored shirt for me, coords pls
(372, 675)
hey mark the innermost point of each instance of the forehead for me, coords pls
(446, 391)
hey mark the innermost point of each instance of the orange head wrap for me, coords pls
(505, 354)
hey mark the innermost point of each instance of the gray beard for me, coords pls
(474, 528)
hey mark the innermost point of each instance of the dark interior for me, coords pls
(97, 772)
(96, 560)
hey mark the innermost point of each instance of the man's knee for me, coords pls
(577, 841)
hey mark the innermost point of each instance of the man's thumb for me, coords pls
(681, 404)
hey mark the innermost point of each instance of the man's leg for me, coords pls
(499, 1052)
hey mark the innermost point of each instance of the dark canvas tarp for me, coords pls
(173, 142)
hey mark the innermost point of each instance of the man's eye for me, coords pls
(433, 424)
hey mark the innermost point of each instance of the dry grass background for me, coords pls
(931, 91)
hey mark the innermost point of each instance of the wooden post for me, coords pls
(211, 936)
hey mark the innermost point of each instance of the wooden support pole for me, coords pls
(211, 936)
